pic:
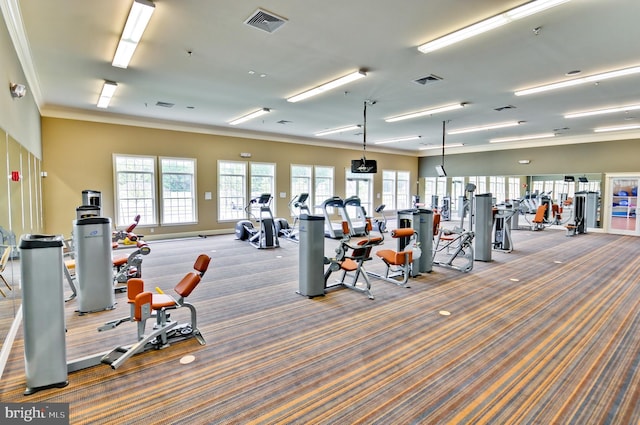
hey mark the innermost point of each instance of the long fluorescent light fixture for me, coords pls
(519, 138)
(397, 139)
(485, 127)
(327, 86)
(108, 90)
(425, 112)
(139, 16)
(250, 116)
(489, 24)
(453, 145)
(338, 130)
(602, 111)
(588, 79)
(617, 128)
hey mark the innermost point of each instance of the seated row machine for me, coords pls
(145, 305)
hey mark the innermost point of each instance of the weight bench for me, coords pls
(398, 263)
(145, 305)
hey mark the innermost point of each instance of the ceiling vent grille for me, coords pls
(265, 21)
(427, 80)
(502, 108)
(165, 104)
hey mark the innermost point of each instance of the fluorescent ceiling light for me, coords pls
(327, 86)
(602, 111)
(425, 112)
(588, 79)
(453, 145)
(617, 128)
(518, 138)
(485, 127)
(250, 116)
(489, 24)
(139, 16)
(397, 139)
(338, 130)
(108, 90)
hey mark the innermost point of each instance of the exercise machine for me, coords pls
(502, 240)
(357, 218)
(297, 207)
(399, 263)
(351, 254)
(126, 236)
(145, 305)
(334, 230)
(129, 266)
(125, 267)
(380, 223)
(266, 236)
(578, 224)
(454, 247)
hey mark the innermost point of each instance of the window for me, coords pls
(389, 189)
(263, 180)
(135, 189)
(232, 190)
(322, 185)
(301, 180)
(178, 190)
(396, 193)
(430, 192)
(403, 191)
(360, 185)
(497, 188)
(514, 188)
(480, 182)
(457, 193)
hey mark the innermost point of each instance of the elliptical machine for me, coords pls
(266, 236)
(380, 223)
(297, 207)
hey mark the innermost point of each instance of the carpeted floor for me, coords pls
(546, 334)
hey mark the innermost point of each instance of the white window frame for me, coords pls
(184, 206)
(319, 196)
(232, 207)
(127, 206)
(270, 178)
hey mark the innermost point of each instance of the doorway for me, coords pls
(621, 208)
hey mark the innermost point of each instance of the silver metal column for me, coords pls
(45, 350)
(94, 266)
(483, 226)
(311, 256)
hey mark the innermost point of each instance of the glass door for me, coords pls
(622, 204)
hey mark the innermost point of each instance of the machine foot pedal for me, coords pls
(114, 355)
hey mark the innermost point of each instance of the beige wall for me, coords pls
(597, 157)
(78, 156)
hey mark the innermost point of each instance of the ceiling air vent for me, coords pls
(428, 79)
(165, 104)
(265, 21)
(502, 108)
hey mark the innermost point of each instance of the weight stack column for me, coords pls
(311, 256)
(45, 350)
(425, 237)
(94, 265)
(483, 226)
